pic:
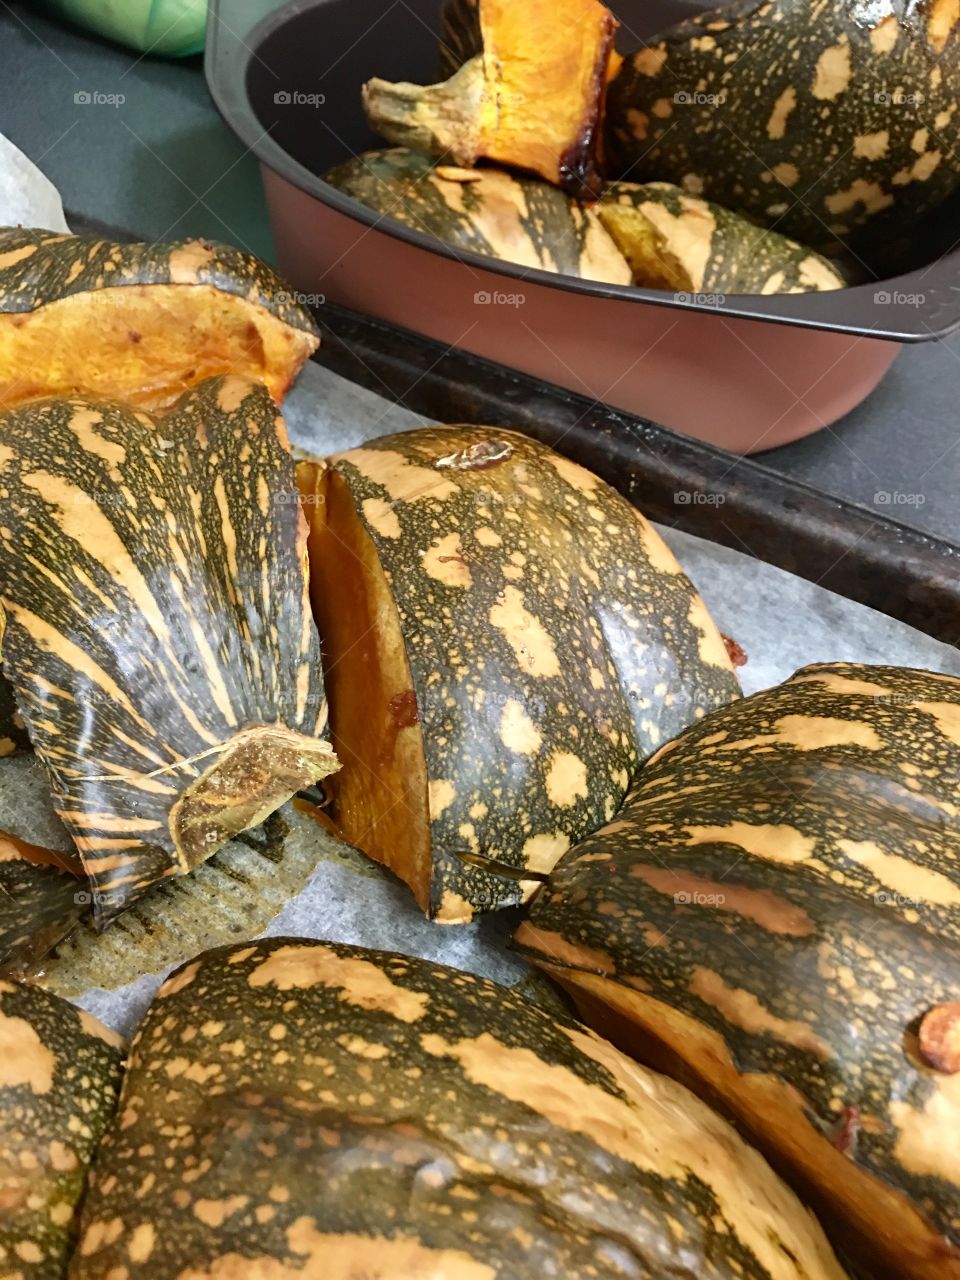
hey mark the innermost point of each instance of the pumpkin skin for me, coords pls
(59, 1077)
(460, 34)
(141, 322)
(302, 1108)
(484, 211)
(774, 915)
(677, 241)
(531, 98)
(158, 630)
(835, 125)
(42, 898)
(506, 639)
(13, 732)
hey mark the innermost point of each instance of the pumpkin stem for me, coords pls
(440, 119)
(256, 771)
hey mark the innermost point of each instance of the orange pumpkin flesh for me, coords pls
(532, 99)
(145, 344)
(380, 801)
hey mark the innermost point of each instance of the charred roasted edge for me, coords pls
(843, 547)
(579, 173)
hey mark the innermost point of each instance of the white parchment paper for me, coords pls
(27, 198)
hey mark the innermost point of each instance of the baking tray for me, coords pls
(770, 369)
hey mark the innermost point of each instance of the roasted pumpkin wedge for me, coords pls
(532, 99)
(42, 899)
(153, 581)
(775, 915)
(506, 639)
(301, 1108)
(679, 242)
(140, 322)
(836, 124)
(485, 211)
(59, 1077)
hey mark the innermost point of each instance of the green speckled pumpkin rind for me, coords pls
(834, 123)
(158, 628)
(553, 643)
(785, 882)
(486, 211)
(39, 267)
(40, 905)
(59, 1077)
(299, 1108)
(673, 240)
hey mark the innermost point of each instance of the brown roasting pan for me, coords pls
(742, 372)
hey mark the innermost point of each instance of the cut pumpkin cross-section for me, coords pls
(506, 639)
(158, 633)
(532, 99)
(141, 322)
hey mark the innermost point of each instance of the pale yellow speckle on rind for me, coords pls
(361, 982)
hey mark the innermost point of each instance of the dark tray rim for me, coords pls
(229, 50)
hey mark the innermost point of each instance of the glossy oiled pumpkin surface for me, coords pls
(673, 240)
(776, 910)
(486, 211)
(141, 322)
(158, 630)
(542, 640)
(813, 116)
(59, 1076)
(302, 1109)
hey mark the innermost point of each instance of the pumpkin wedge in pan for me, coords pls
(153, 581)
(506, 640)
(59, 1078)
(42, 899)
(141, 322)
(532, 99)
(775, 917)
(677, 241)
(485, 211)
(834, 122)
(308, 1109)
(461, 38)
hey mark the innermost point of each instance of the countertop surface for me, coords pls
(149, 152)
